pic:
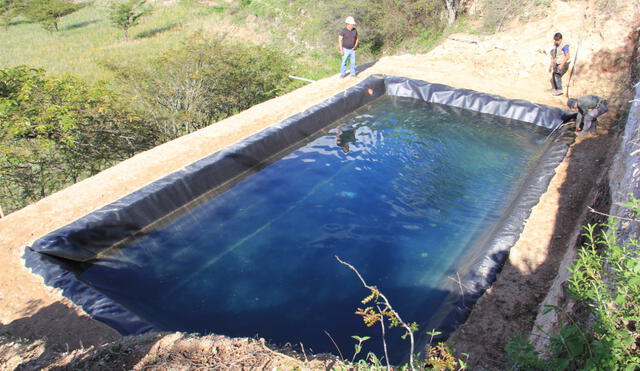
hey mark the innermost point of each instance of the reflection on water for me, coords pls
(400, 189)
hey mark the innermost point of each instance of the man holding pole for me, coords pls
(559, 63)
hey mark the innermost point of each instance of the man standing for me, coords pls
(589, 108)
(559, 63)
(348, 43)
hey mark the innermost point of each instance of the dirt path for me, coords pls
(516, 69)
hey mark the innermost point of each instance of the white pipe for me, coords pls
(301, 78)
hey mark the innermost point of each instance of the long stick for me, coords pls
(609, 215)
(575, 59)
(384, 340)
(573, 67)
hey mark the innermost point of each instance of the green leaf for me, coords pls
(562, 363)
(635, 281)
(361, 338)
(576, 347)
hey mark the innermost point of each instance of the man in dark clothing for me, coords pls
(589, 108)
(348, 43)
(559, 63)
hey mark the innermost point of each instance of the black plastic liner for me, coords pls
(58, 254)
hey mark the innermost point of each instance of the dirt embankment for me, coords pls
(38, 327)
(603, 68)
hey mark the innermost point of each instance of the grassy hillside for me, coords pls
(86, 39)
(186, 65)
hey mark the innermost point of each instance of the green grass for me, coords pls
(86, 39)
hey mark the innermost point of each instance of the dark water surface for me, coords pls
(418, 184)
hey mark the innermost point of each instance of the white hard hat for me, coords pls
(350, 20)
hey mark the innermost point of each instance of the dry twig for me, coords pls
(388, 304)
(609, 215)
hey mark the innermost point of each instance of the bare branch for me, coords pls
(388, 305)
(609, 215)
(334, 344)
(384, 339)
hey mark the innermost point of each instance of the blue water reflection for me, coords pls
(400, 188)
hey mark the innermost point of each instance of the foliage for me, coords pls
(56, 131)
(127, 14)
(439, 357)
(498, 12)
(9, 9)
(605, 279)
(49, 12)
(205, 80)
(358, 347)
(384, 25)
(379, 309)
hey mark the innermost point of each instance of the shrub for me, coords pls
(204, 81)
(56, 131)
(605, 280)
(384, 25)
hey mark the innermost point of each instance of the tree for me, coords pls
(55, 131)
(453, 8)
(49, 12)
(127, 14)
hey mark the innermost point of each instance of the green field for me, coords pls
(87, 39)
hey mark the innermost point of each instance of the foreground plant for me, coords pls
(57, 130)
(438, 357)
(605, 280)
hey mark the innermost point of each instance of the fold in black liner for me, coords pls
(55, 255)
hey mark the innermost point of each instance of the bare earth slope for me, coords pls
(36, 323)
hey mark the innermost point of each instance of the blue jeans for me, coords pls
(348, 53)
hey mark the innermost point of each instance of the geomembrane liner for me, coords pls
(60, 255)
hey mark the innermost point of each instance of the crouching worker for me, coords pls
(589, 108)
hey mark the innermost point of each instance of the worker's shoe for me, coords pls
(556, 92)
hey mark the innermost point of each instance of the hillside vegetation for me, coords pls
(181, 65)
